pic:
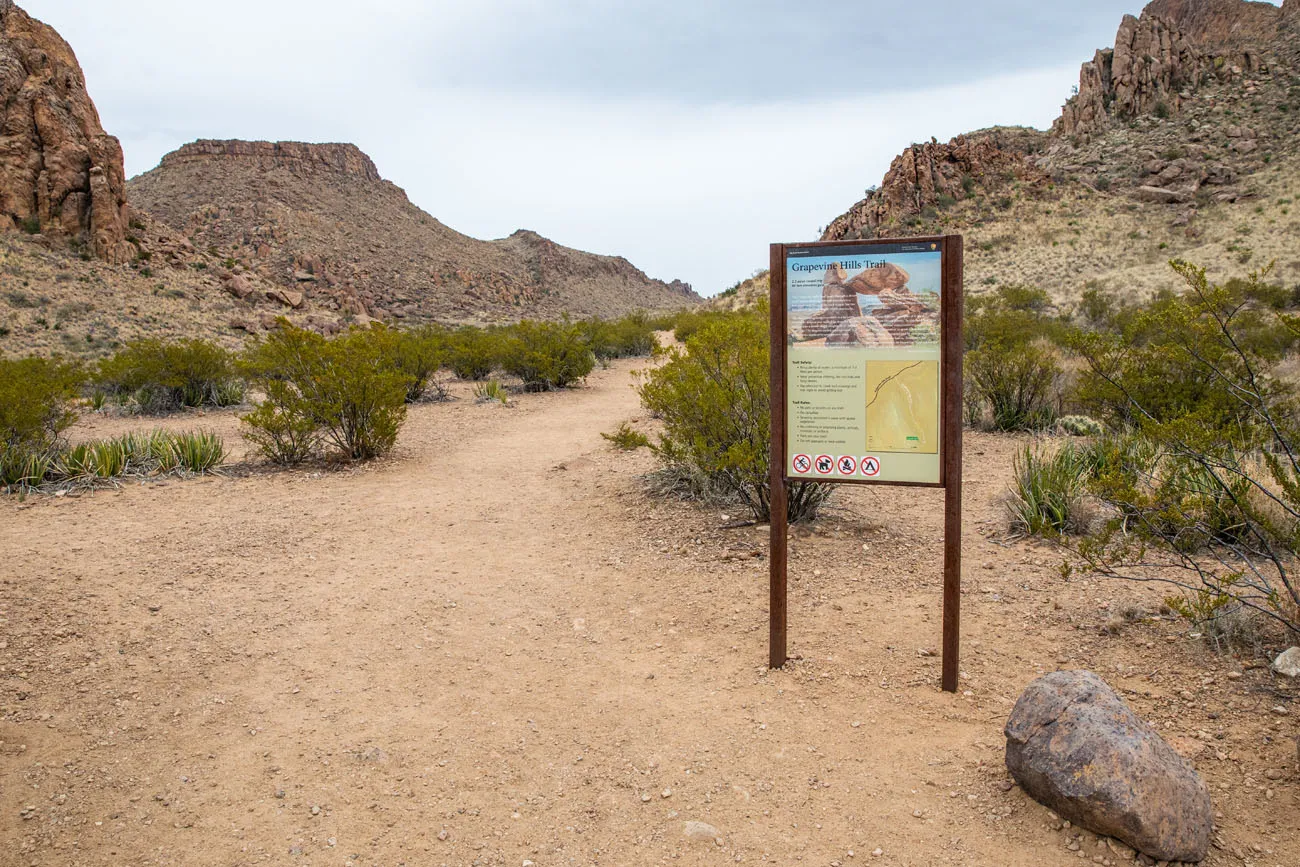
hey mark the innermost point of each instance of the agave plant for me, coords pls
(198, 452)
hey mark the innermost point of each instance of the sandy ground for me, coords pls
(495, 648)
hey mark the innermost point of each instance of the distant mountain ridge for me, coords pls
(320, 220)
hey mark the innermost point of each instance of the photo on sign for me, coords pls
(885, 301)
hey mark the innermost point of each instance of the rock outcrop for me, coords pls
(926, 175)
(1076, 747)
(60, 173)
(1150, 65)
(1167, 54)
(344, 159)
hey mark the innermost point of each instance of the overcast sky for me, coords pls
(685, 136)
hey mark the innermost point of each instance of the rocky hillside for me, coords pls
(318, 220)
(60, 173)
(1180, 141)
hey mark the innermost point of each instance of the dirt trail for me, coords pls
(494, 649)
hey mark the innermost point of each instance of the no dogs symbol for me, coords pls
(847, 465)
(824, 464)
(802, 464)
(870, 466)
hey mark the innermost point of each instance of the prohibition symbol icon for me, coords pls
(870, 466)
(824, 464)
(847, 465)
(802, 463)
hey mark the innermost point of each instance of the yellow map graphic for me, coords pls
(903, 406)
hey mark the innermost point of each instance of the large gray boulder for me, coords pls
(1075, 746)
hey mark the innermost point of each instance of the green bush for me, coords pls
(36, 400)
(417, 354)
(715, 405)
(473, 353)
(1204, 494)
(627, 438)
(344, 391)
(1017, 382)
(161, 376)
(547, 355)
(631, 336)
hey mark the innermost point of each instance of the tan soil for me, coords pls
(495, 648)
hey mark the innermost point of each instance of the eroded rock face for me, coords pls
(1076, 747)
(1151, 63)
(924, 174)
(60, 173)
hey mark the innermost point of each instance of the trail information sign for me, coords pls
(866, 385)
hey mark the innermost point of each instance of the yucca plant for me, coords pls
(198, 452)
(109, 458)
(77, 462)
(162, 453)
(21, 470)
(1047, 499)
(491, 390)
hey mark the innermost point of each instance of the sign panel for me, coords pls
(863, 361)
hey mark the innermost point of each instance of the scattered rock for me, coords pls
(1287, 663)
(287, 297)
(1160, 195)
(700, 831)
(1075, 746)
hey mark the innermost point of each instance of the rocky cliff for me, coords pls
(60, 173)
(320, 221)
(1181, 141)
(927, 175)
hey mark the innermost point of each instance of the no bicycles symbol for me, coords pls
(870, 466)
(802, 463)
(847, 465)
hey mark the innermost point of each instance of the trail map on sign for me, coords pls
(903, 406)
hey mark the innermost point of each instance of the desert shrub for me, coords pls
(1047, 498)
(473, 353)
(547, 355)
(1210, 502)
(162, 376)
(343, 391)
(1016, 381)
(687, 322)
(714, 401)
(282, 429)
(1012, 367)
(36, 400)
(491, 390)
(417, 354)
(631, 336)
(1164, 360)
(627, 438)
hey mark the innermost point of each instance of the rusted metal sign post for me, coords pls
(867, 388)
